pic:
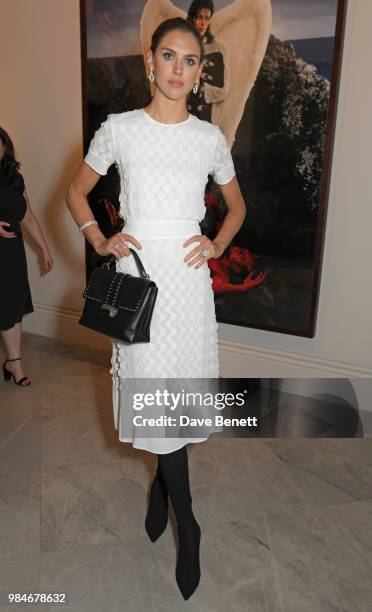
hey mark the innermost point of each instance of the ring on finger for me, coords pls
(205, 252)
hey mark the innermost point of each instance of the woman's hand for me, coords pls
(47, 260)
(196, 257)
(116, 245)
(3, 231)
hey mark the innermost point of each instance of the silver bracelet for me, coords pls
(92, 222)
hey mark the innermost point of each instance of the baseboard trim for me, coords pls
(62, 324)
(242, 361)
(66, 313)
(236, 360)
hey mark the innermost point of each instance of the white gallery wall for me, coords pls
(40, 105)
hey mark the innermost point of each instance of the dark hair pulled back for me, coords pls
(175, 24)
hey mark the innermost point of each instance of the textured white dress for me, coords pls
(163, 171)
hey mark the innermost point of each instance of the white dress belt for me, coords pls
(180, 228)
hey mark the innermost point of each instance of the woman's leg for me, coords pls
(175, 471)
(157, 514)
(12, 340)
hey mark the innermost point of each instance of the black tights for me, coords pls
(172, 478)
(173, 469)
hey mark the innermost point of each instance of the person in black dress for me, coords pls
(16, 298)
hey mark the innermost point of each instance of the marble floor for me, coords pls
(286, 523)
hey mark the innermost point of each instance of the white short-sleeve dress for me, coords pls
(163, 171)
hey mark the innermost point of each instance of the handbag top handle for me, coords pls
(137, 259)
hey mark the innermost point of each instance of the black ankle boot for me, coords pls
(188, 562)
(157, 513)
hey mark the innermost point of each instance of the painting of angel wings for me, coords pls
(233, 55)
(270, 82)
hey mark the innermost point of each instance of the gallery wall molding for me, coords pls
(237, 360)
(242, 360)
(62, 324)
(57, 311)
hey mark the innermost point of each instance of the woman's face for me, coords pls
(202, 20)
(176, 64)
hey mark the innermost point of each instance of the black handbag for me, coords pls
(120, 305)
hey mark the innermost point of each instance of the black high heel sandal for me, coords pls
(9, 375)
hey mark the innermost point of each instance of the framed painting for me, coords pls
(270, 81)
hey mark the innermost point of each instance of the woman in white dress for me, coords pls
(164, 155)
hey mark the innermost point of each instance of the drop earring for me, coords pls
(151, 75)
(195, 88)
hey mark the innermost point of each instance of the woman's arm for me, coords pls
(230, 226)
(32, 226)
(77, 203)
(235, 215)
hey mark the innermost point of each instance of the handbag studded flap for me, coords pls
(119, 290)
(120, 305)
